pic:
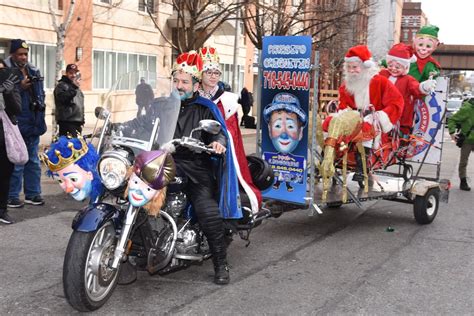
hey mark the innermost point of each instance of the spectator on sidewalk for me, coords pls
(10, 102)
(246, 101)
(69, 101)
(31, 123)
(144, 95)
(463, 120)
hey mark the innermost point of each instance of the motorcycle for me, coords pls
(111, 238)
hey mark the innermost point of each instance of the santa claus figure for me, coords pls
(378, 100)
(228, 106)
(424, 44)
(398, 62)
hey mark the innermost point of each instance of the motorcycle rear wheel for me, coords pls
(88, 281)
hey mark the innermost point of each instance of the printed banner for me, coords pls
(284, 115)
(428, 128)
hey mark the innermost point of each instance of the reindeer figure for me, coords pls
(344, 128)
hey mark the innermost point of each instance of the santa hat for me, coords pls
(190, 63)
(209, 58)
(402, 54)
(360, 53)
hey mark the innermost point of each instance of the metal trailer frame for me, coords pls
(424, 193)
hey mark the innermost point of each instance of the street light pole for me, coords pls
(236, 53)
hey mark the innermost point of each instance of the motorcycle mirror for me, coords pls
(101, 113)
(210, 126)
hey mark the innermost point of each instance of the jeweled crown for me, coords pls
(63, 162)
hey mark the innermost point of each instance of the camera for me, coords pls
(34, 78)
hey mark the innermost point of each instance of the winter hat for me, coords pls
(429, 31)
(209, 58)
(285, 101)
(190, 63)
(17, 44)
(401, 53)
(360, 53)
(72, 67)
(155, 168)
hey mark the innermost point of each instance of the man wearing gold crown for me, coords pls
(228, 106)
(199, 168)
(73, 163)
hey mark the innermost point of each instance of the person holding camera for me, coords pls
(69, 101)
(463, 121)
(32, 125)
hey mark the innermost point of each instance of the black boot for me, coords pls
(464, 186)
(221, 270)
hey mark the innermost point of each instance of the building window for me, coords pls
(105, 1)
(226, 76)
(142, 4)
(44, 57)
(124, 68)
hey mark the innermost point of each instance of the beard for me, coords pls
(359, 82)
(358, 85)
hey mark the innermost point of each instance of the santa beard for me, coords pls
(358, 85)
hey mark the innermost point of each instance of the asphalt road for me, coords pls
(339, 263)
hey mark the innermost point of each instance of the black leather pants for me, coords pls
(209, 218)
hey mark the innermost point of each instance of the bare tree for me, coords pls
(61, 30)
(196, 21)
(282, 17)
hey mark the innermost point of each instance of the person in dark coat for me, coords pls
(69, 101)
(144, 95)
(32, 124)
(245, 101)
(10, 102)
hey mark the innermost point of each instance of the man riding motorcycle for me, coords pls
(199, 168)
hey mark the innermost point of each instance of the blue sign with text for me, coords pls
(285, 114)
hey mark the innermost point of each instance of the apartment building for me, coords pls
(108, 39)
(413, 18)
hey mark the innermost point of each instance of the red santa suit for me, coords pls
(409, 88)
(383, 96)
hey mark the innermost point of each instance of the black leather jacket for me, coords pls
(69, 101)
(12, 104)
(198, 167)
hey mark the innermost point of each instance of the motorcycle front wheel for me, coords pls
(88, 281)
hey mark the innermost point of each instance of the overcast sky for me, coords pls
(455, 19)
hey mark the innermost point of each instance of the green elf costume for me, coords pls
(424, 44)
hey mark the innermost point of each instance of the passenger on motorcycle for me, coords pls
(228, 106)
(199, 168)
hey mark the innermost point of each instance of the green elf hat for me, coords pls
(429, 31)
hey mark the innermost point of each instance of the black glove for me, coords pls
(9, 84)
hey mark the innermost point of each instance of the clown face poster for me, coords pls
(285, 79)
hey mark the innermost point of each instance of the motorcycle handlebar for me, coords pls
(194, 145)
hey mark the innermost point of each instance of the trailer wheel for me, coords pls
(425, 207)
(407, 172)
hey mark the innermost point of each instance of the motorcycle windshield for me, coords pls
(143, 118)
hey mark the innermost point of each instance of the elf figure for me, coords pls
(73, 163)
(424, 44)
(398, 61)
(151, 173)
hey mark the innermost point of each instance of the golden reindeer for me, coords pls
(344, 128)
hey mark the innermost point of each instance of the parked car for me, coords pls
(452, 106)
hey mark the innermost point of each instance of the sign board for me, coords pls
(285, 80)
(428, 128)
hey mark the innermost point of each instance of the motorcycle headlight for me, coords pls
(113, 166)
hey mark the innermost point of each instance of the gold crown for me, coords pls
(209, 58)
(63, 162)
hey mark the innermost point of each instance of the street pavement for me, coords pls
(343, 262)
